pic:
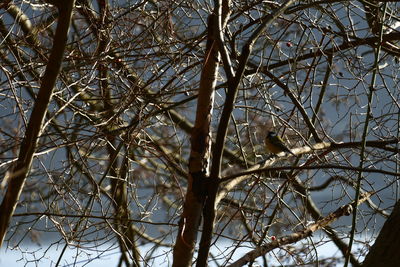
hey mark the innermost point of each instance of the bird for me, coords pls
(275, 144)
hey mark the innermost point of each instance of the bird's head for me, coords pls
(271, 134)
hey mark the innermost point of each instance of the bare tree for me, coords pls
(141, 130)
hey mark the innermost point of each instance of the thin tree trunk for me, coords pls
(199, 160)
(36, 121)
(234, 80)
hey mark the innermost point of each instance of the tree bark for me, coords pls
(199, 160)
(36, 121)
(234, 80)
(385, 251)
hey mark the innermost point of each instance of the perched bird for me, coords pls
(275, 144)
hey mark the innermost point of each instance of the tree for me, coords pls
(381, 253)
(152, 144)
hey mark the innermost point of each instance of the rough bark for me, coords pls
(385, 251)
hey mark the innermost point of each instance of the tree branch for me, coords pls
(297, 236)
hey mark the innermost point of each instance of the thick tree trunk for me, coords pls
(385, 251)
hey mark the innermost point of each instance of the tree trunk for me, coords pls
(199, 160)
(36, 121)
(385, 251)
